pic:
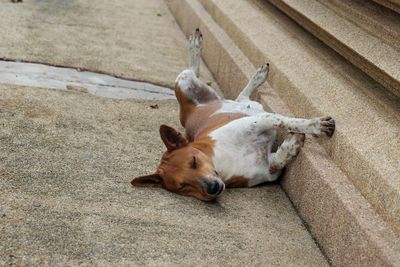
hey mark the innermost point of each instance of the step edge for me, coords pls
(365, 20)
(359, 59)
(389, 4)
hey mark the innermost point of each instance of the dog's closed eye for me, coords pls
(194, 163)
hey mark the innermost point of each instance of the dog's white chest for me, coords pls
(241, 150)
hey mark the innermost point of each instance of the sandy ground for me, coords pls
(66, 159)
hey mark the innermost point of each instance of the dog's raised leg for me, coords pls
(287, 150)
(315, 126)
(195, 47)
(190, 91)
(189, 88)
(295, 140)
(258, 78)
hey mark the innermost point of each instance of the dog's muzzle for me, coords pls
(214, 187)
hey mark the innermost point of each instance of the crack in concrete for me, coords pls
(51, 77)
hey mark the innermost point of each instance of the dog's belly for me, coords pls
(241, 150)
(249, 108)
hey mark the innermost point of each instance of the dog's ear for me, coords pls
(152, 180)
(172, 138)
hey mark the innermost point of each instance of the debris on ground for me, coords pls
(155, 106)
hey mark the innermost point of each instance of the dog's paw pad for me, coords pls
(298, 144)
(328, 125)
(261, 74)
(196, 40)
(273, 169)
(300, 138)
(263, 69)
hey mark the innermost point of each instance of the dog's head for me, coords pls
(183, 169)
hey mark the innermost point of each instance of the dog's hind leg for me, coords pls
(315, 126)
(288, 149)
(190, 91)
(258, 78)
(195, 47)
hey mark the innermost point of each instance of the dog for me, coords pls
(227, 143)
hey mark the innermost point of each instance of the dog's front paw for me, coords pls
(196, 40)
(328, 125)
(300, 138)
(298, 143)
(261, 75)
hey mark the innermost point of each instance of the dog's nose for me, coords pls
(214, 188)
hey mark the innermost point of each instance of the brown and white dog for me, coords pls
(227, 143)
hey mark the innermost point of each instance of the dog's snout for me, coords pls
(214, 188)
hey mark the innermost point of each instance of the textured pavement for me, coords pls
(65, 198)
(67, 158)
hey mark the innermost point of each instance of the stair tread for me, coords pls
(314, 80)
(375, 19)
(391, 4)
(343, 222)
(368, 52)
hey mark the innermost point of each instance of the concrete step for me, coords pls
(391, 4)
(373, 18)
(311, 79)
(67, 158)
(364, 48)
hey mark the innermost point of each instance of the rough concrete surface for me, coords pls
(66, 159)
(392, 4)
(324, 84)
(380, 21)
(364, 49)
(345, 224)
(130, 39)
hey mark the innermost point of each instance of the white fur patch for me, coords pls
(249, 108)
(242, 150)
(187, 81)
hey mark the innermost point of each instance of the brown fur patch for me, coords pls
(237, 181)
(205, 144)
(203, 94)
(186, 105)
(273, 169)
(200, 123)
